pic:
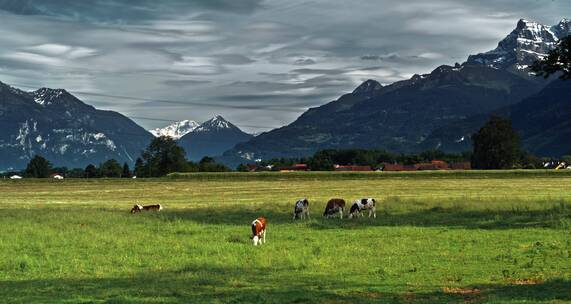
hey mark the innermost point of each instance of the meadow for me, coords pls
(441, 237)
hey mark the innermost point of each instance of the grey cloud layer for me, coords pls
(266, 61)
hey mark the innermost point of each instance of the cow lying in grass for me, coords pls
(334, 205)
(301, 209)
(361, 205)
(259, 231)
(139, 208)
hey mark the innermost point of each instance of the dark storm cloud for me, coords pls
(258, 61)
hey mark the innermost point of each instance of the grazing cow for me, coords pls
(136, 208)
(156, 207)
(259, 231)
(334, 205)
(361, 205)
(139, 208)
(301, 209)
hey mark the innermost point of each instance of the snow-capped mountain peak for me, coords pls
(216, 123)
(176, 130)
(527, 43)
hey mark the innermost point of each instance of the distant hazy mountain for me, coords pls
(176, 130)
(402, 116)
(212, 138)
(55, 124)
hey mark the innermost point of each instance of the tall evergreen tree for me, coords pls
(496, 145)
(163, 156)
(126, 171)
(139, 168)
(38, 167)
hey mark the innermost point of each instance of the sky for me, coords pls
(258, 63)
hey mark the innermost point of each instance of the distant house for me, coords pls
(398, 167)
(296, 167)
(56, 176)
(440, 164)
(433, 165)
(15, 177)
(353, 168)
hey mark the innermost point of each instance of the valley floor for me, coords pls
(501, 237)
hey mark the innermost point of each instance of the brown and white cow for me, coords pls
(334, 205)
(364, 204)
(259, 231)
(301, 209)
(139, 208)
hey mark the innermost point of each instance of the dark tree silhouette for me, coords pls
(558, 61)
(90, 171)
(163, 156)
(126, 171)
(496, 145)
(139, 168)
(110, 168)
(38, 167)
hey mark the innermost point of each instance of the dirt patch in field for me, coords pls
(367, 294)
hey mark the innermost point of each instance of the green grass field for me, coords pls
(464, 237)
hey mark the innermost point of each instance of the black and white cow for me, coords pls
(361, 205)
(334, 206)
(301, 209)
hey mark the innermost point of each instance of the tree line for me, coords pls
(161, 157)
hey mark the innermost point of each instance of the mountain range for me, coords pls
(422, 112)
(55, 124)
(212, 138)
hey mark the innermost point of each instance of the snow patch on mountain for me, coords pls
(176, 130)
(45, 96)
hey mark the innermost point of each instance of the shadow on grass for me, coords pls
(554, 290)
(215, 284)
(555, 217)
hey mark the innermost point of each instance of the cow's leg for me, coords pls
(341, 213)
(374, 212)
(294, 215)
(308, 214)
(264, 236)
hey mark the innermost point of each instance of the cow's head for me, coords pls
(354, 210)
(136, 208)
